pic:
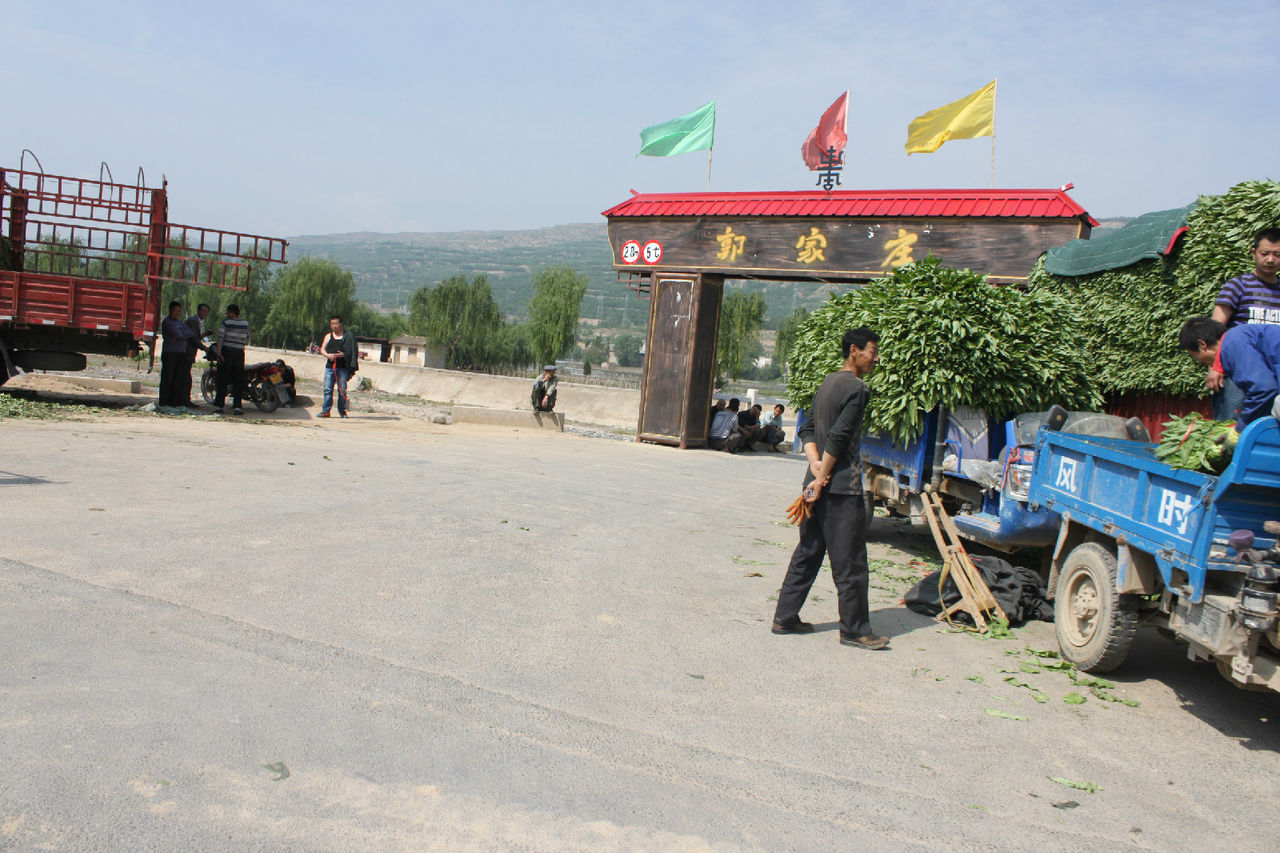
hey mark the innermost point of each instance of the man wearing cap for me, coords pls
(544, 390)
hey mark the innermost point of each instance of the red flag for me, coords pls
(829, 133)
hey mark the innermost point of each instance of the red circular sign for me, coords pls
(630, 252)
(652, 252)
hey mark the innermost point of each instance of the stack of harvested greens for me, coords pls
(1132, 315)
(1197, 443)
(948, 338)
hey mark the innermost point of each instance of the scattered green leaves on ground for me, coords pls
(24, 408)
(1087, 787)
(1004, 715)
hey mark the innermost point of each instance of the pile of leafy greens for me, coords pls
(1131, 316)
(948, 338)
(1197, 443)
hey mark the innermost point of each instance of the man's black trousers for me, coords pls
(836, 527)
(171, 365)
(230, 372)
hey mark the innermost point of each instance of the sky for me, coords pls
(292, 118)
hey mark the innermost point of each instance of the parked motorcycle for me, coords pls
(269, 384)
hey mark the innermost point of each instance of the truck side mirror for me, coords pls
(1137, 430)
(1056, 419)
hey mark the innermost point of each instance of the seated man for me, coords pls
(748, 425)
(771, 428)
(543, 395)
(1249, 355)
(723, 433)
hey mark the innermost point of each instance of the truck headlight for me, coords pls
(1018, 483)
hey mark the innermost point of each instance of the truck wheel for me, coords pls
(869, 504)
(208, 387)
(265, 396)
(1095, 623)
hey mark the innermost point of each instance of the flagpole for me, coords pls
(993, 132)
(709, 170)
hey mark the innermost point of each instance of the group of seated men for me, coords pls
(732, 430)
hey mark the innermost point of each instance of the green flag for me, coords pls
(693, 132)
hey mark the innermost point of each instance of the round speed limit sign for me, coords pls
(652, 252)
(630, 252)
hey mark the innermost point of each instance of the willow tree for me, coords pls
(553, 312)
(458, 315)
(741, 319)
(306, 294)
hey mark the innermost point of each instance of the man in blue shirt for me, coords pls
(1250, 357)
(1249, 299)
(173, 357)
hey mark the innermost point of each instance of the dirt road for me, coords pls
(387, 634)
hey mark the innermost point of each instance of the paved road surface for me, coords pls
(382, 635)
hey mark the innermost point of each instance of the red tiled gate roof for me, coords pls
(1019, 204)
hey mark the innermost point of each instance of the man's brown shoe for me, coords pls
(866, 641)
(796, 627)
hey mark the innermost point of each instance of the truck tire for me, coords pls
(868, 504)
(1095, 624)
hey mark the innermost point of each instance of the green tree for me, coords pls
(741, 319)
(57, 255)
(787, 331)
(458, 315)
(627, 348)
(508, 346)
(596, 351)
(367, 322)
(306, 293)
(554, 310)
(258, 280)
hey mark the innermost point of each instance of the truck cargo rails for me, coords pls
(1194, 553)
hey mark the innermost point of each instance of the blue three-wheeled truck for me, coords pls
(1127, 537)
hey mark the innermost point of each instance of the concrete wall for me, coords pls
(580, 404)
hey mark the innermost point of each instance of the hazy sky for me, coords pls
(317, 117)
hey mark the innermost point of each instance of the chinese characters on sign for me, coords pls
(831, 162)
(900, 249)
(731, 244)
(811, 247)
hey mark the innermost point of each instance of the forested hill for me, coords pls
(389, 267)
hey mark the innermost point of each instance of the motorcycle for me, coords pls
(268, 384)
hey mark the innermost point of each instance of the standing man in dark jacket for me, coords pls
(233, 339)
(833, 491)
(173, 357)
(196, 324)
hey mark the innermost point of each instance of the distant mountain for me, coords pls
(388, 268)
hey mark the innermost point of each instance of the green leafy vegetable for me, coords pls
(1197, 443)
(1131, 316)
(1087, 787)
(948, 338)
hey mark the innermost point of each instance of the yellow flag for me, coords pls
(971, 116)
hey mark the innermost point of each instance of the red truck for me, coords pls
(83, 262)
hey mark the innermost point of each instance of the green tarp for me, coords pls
(1148, 236)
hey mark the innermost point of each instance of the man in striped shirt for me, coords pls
(233, 338)
(1250, 299)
